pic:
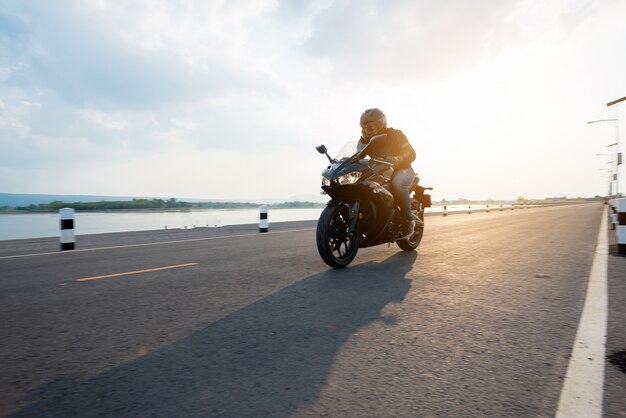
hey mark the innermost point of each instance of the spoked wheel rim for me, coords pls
(340, 242)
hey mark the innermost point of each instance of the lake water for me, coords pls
(37, 225)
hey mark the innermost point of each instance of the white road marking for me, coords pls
(154, 243)
(581, 395)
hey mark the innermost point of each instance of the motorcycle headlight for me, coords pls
(325, 181)
(349, 178)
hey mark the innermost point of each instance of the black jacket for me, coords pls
(395, 144)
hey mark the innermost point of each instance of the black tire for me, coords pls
(335, 245)
(412, 242)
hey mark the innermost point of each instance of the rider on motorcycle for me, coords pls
(395, 149)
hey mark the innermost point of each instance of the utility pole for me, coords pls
(618, 154)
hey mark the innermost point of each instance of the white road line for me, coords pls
(154, 243)
(581, 395)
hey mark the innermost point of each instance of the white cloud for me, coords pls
(108, 120)
(185, 91)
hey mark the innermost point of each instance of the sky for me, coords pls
(228, 99)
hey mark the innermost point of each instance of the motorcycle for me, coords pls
(362, 211)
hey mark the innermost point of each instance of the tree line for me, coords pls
(171, 203)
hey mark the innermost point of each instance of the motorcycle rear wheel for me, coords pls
(412, 242)
(335, 244)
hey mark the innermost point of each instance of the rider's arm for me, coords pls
(404, 150)
(407, 153)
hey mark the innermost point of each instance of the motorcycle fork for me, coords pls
(353, 215)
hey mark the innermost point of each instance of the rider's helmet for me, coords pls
(372, 122)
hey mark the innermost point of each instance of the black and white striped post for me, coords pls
(445, 209)
(263, 221)
(68, 242)
(619, 208)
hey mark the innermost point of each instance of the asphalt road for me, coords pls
(480, 321)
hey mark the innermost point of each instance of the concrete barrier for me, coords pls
(618, 219)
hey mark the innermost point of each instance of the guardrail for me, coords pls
(446, 210)
(617, 212)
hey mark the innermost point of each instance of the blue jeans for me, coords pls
(400, 184)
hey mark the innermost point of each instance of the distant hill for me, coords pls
(13, 200)
(16, 199)
(317, 198)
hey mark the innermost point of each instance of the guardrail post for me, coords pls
(263, 221)
(67, 240)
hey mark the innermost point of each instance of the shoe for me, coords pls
(409, 229)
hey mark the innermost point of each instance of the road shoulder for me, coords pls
(615, 379)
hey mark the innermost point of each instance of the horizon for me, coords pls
(494, 97)
(294, 199)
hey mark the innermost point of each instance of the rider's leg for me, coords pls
(400, 184)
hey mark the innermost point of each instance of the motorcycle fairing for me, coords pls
(375, 209)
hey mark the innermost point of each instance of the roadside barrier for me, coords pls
(487, 208)
(613, 221)
(263, 222)
(68, 242)
(618, 219)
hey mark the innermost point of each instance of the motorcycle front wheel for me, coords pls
(336, 245)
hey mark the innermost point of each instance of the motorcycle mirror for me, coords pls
(321, 149)
(377, 137)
